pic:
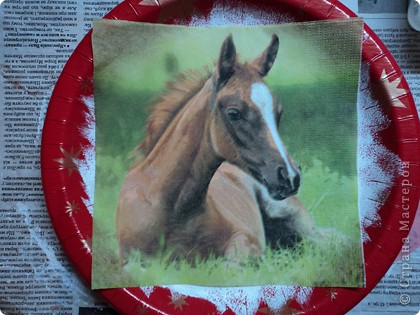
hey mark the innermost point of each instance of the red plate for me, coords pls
(64, 148)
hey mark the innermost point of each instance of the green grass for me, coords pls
(330, 198)
(307, 265)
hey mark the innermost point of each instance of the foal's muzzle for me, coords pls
(287, 184)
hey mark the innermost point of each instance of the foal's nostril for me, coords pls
(282, 173)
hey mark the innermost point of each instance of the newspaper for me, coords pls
(37, 38)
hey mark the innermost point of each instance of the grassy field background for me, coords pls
(319, 128)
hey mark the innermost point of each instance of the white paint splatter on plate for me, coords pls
(375, 177)
(87, 166)
(222, 14)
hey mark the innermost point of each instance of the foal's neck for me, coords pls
(192, 195)
(185, 160)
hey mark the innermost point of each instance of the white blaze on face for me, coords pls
(261, 96)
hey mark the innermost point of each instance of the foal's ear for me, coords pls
(226, 63)
(265, 61)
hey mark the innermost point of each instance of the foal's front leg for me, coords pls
(295, 217)
(291, 210)
(241, 247)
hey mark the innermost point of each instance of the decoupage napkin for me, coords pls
(188, 189)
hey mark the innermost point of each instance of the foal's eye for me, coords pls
(234, 114)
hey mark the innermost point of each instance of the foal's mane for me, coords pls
(168, 104)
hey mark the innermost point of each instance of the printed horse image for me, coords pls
(216, 177)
